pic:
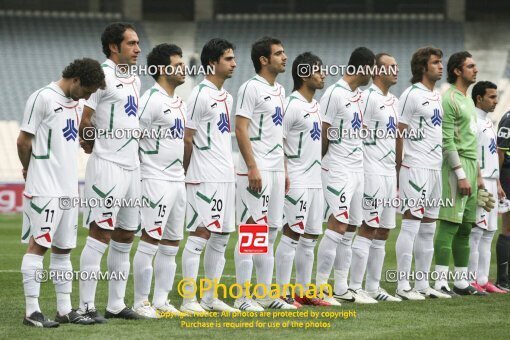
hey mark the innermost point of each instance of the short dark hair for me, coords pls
(306, 58)
(160, 56)
(89, 71)
(213, 50)
(420, 59)
(455, 62)
(262, 48)
(114, 34)
(361, 56)
(480, 88)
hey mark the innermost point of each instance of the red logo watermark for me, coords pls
(253, 238)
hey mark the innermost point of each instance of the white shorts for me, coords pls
(380, 194)
(489, 220)
(210, 205)
(343, 195)
(105, 179)
(48, 223)
(162, 215)
(265, 206)
(420, 185)
(303, 210)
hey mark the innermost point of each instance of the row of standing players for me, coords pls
(288, 166)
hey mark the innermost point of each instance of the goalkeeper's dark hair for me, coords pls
(88, 70)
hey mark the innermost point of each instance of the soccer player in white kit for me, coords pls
(485, 97)
(261, 177)
(210, 185)
(112, 174)
(48, 150)
(304, 202)
(342, 173)
(419, 172)
(380, 190)
(162, 119)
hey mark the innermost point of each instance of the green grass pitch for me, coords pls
(466, 317)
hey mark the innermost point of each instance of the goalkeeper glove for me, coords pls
(485, 200)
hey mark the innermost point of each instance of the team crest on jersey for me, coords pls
(277, 116)
(315, 132)
(130, 107)
(224, 123)
(177, 130)
(391, 126)
(70, 131)
(436, 118)
(356, 121)
(492, 146)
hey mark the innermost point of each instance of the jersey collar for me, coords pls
(54, 86)
(481, 113)
(377, 89)
(345, 85)
(110, 63)
(299, 96)
(210, 84)
(162, 90)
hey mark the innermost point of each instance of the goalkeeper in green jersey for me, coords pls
(461, 177)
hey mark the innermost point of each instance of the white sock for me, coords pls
(90, 262)
(442, 273)
(404, 251)
(375, 265)
(244, 268)
(474, 255)
(214, 259)
(142, 271)
(264, 263)
(360, 250)
(191, 262)
(343, 262)
(285, 253)
(423, 253)
(484, 263)
(304, 262)
(61, 263)
(461, 277)
(30, 266)
(164, 273)
(118, 263)
(326, 255)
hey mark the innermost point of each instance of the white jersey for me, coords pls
(209, 114)
(342, 109)
(380, 117)
(164, 118)
(487, 148)
(264, 105)
(302, 141)
(421, 110)
(116, 108)
(53, 119)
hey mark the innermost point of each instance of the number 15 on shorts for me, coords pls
(253, 238)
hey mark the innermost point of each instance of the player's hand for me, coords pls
(254, 179)
(485, 200)
(86, 146)
(287, 183)
(480, 182)
(464, 187)
(501, 192)
(24, 172)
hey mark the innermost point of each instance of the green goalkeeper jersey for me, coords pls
(459, 124)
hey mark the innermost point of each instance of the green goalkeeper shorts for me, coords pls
(463, 208)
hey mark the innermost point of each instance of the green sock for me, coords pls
(444, 238)
(460, 245)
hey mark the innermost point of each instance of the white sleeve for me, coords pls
(95, 98)
(196, 109)
(288, 119)
(246, 100)
(406, 108)
(329, 105)
(35, 111)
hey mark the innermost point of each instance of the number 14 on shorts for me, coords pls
(253, 238)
